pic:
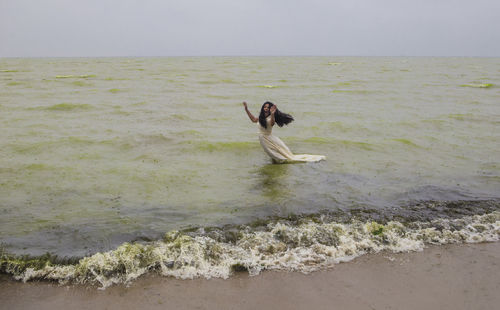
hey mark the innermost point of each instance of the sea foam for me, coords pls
(280, 245)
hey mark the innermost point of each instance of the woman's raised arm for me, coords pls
(250, 116)
(273, 110)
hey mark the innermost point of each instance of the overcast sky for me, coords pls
(253, 27)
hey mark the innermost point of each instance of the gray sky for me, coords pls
(256, 27)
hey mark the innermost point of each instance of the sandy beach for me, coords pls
(445, 277)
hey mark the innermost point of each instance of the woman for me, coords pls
(272, 145)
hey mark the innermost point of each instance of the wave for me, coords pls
(67, 142)
(189, 133)
(69, 107)
(118, 143)
(116, 79)
(148, 139)
(226, 146)
(37, 167)
(83, 76)
(181, 117)
(220, 81)
(478, 85)
(80, 83)
(353, 91)
(407, 142)
(298, 243)
(116, 90)
(471, 118)
(345, 143)
(218, 97)
(14, 83)
(340, 84)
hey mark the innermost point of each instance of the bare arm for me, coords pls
(250, 116)
(273, 109)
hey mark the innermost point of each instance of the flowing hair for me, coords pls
(279, 117)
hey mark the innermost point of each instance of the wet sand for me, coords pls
(446, 277)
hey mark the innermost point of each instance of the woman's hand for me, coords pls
(273, 109)
(250, 116)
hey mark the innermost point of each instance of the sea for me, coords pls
(113, 168)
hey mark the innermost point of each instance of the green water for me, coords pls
(96, 152)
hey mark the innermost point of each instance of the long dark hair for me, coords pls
(279, 117)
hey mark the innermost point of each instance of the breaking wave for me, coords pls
(297, 243)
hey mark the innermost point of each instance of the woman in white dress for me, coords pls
(272, 145)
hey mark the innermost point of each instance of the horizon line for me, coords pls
(270, 55)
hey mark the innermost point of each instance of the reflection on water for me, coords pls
(273, 182)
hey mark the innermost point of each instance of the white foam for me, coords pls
(305, 248)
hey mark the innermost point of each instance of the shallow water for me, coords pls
(97, 152)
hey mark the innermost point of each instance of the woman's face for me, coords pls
(266, 108)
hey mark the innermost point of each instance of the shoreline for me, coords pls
(455, 277)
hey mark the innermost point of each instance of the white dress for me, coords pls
(278, 151)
